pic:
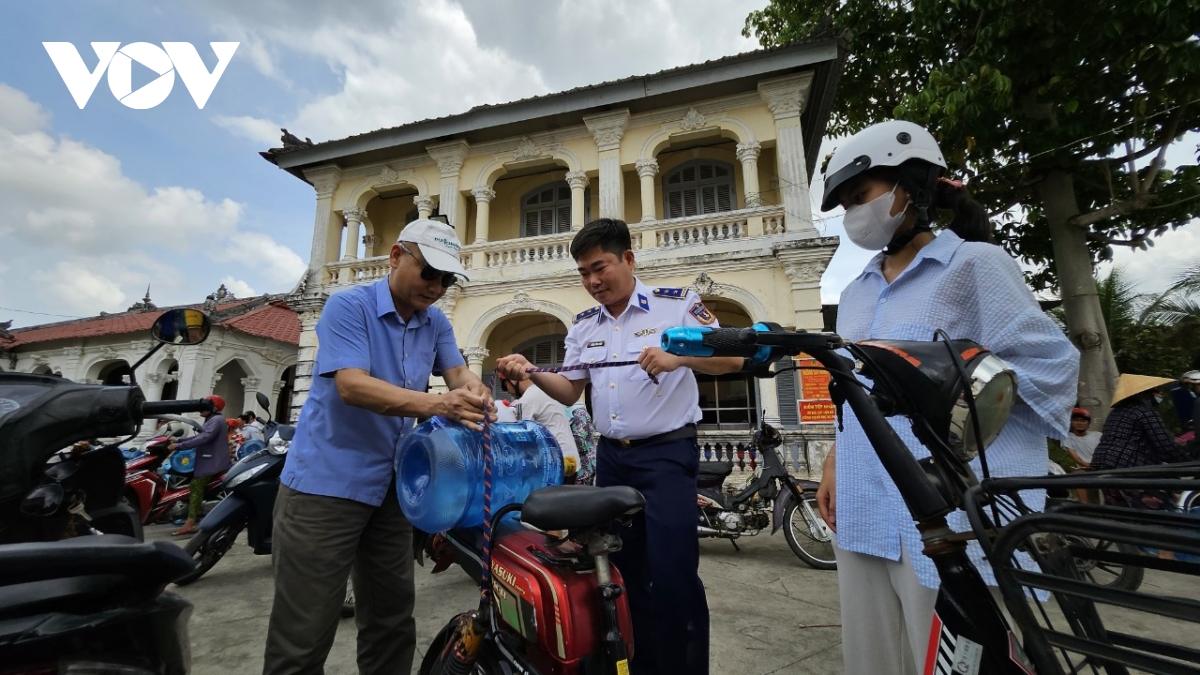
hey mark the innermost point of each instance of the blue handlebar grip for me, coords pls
(686, 341)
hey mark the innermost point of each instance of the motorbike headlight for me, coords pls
(994, 386)
(246, 475)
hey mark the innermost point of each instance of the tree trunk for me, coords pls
(1085, 321)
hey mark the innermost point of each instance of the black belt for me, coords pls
(686, 431)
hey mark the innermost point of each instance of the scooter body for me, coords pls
(157, 497)
(545, 599)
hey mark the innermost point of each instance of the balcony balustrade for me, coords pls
(547, 254)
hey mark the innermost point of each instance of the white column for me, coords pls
(608, 129)
(370, 241)
(152, 385)
(449, 158)
(424, 204)
(325, 226)
(806, 291)
(475, 357)
(785, 97)
(647, 169)
(747, 154)
(309, 310)
(354, 218)
(578, 181)
(483, 198)
(250, 388)
(196, 371)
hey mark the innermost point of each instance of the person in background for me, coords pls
(235, 437)
(252, 429)
(1081, 442)
(212, 458)
(1134, 435)
(533, 404)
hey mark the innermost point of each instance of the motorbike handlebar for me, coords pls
(154, 408)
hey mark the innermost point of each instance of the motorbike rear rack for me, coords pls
(1068, 606)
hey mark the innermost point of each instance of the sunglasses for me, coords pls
(428, 273)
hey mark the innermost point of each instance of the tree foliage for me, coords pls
(1152, 334)
(1014, 90)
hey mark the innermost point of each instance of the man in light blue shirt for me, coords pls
(337, 505)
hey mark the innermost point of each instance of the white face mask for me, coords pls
(872, 225)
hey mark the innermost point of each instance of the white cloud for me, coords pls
(264, 132)
(1155, 268)
(18, 113)
(239, 288)
(278, 263)
(78, 290)
(84, 237)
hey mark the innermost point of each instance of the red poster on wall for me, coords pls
(815, 406)
(814, 384)
(817, 412)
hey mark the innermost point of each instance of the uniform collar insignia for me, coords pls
(643, 302)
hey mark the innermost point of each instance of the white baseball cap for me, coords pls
(438, 243)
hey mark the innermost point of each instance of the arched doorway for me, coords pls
(283, 403)
(728, 401)
(230, 387)
(115, 374)
(538, 336)
(170, 390)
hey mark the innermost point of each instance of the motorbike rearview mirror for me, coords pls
(181, 327)
(263, 402)
(44, 500)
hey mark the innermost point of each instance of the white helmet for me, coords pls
(889, 143)
(1190, 377)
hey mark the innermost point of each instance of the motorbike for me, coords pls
(74, 597)
(773, 498)
(250, 487)
(156, 497)
(551, 600)
(958, 396)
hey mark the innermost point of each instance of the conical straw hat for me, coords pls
(1128, 385)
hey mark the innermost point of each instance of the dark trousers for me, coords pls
(660, 557)
(315, 543)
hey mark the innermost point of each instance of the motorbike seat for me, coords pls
(123, 558)
(574, 507)
(713, 474)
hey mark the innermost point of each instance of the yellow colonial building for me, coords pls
(709, 164)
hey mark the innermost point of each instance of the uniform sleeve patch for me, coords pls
(586, 313)
(677, 293)
(702, 314)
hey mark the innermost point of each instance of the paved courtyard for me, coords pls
(770, 612)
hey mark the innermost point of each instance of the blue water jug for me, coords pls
(439, 471)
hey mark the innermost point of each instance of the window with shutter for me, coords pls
(787, 393)
(547, 210)
(698, 188)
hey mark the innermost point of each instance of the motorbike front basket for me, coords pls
(1102, 599)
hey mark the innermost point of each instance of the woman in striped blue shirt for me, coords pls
(888, 177)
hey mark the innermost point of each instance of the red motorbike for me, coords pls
(156, 497)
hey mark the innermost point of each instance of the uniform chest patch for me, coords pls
(645, 331)
(596, 343)
(702, 314)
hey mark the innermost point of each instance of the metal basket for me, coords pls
(1086, 608)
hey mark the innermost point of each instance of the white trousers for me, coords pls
(886, 615)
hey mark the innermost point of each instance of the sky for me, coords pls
(98, 203)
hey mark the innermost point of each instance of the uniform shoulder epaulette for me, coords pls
(677, 293)
(586, 313)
